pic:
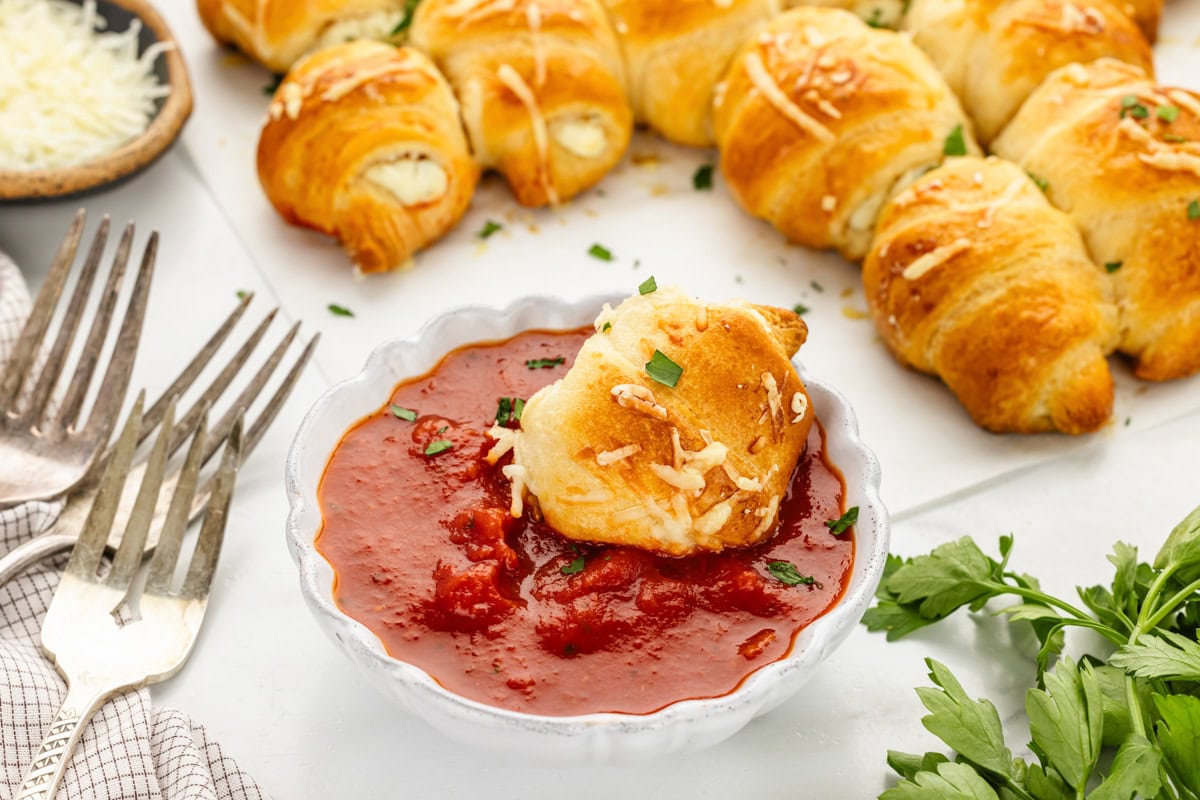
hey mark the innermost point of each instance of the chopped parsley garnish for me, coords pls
(956, 143)
(840, 525)
(406, 414)
(1167, 114)
(273, 86)
(1042, 183)
(607, 327)
(409, 7)
(545, 363)
(601, 252)
(1113, 266)
(786, 573)
(1173, 137)
(242, 294)
(574, 567)
(509, 409)
(876, 18)
(340, 311)
(816, 286)
(1132, 106)
(663, 370)
(489, 227)
(800, 309)
(1194, 210)
(443, 429)
(702, 179)
(648, 286)
(439, 446)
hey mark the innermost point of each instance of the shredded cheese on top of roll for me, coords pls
(934, 259)
(756, 70)
(69, 91)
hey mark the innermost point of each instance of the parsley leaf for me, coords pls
(950, 782)
(908, 765)
(953, 575)
(786, 573)
(1134, 772)
(340, 311)
(406, 414)
(574, 567)
(490, 227)
(702, 179)
(1193, 210)
(601, 252)
(970, 727)
(648, 286)
(1167, 114)
(545, 363)
(406, 21)
(1065, 721)
(1042, 183)
(509, 409)
(273, 86)
(606, 328)
(1182, 548)
(956, 142)
(1131, 106)
(1179, 734)
(800, 309)
(663, 370)
(438, 446)
(1164, 656)
(1113, 266)
(840, 525)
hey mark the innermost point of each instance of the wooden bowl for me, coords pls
(164, 128)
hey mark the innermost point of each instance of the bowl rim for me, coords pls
(130, 157)
(752, 692)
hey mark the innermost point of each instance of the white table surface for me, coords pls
(286, 704)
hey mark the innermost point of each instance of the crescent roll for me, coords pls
(1146, 13)
(820, 116)
(610, 454)
(976, 278)
(994, 53)
(276, 33)
(675, 53)
(363, 141)
(1122, 157)
(541, 87)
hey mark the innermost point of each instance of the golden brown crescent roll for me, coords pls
(675, 53)
(1122, 157)
(541, 87)
(976, 278)
(276, 33)
(994, 53)
(613, 455)
(1146, 13)
(820, 116)
(363, 141)
(877, 13)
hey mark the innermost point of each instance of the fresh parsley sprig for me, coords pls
(1117, 730)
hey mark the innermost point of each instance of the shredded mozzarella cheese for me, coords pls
(70, 92)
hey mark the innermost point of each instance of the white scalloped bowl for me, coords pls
(683, 726)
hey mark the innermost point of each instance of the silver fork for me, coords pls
(96, 654)
(44, 449)
(65, 530)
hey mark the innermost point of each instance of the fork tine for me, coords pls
(250, 392)
(187, 424)
(162, 566)
(133, 540)
(20, 364)
(264, 419)
(212, 533)
(89, 357)
(120, 367)
(189, 374)
(85, 558)
(68, 326)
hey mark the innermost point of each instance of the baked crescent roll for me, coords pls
(276, 33)
(363, 141)
(1146, 13)
(994, 53)
(541, 87)
(675, 53)
(877, 13)
(610, 454)
(820, 116)
(976, 278)
(1122, 157)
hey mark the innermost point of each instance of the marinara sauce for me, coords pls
(507, 612)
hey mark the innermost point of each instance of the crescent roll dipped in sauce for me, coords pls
(541, 85)
(677, 429)
(363, 141)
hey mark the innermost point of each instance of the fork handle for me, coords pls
(31, 551)
(50, 764)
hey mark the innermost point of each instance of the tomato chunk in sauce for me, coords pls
(507, 612)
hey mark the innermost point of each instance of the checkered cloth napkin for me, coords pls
(130, 750)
